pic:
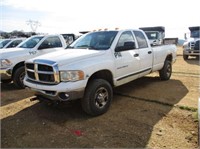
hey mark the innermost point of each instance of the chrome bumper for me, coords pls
(62, 96)
(191, 52)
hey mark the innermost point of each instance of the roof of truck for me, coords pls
(156, 28)
(194, 28)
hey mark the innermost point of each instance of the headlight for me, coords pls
(5, 63)
(71, 75)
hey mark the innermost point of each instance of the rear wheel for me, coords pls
(97, 98)
(166, 71)
(18, 77)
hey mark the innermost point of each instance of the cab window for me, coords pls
(14, 43)
(142, 42)
(51, 42)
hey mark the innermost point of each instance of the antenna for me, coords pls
(33, 24)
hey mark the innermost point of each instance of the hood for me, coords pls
(4, 53)
(192, 40)
(68, 56)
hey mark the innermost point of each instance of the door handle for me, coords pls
(136, 55)
(149, 52)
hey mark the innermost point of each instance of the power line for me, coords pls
(33, 24)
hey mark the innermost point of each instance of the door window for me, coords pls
(142, 43)
(125, 37)
(51, 42)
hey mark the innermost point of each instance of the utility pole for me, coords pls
(33, 24)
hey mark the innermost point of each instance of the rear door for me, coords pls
(145, 53)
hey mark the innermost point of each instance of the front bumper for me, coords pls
(5, 73)
(63, 91)
(191, 52)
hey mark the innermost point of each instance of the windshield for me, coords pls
(152, 35)
(4, 42)
(96, 40)
(195, 34)
(31, 43)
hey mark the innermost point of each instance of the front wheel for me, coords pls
(166, 71)
(18, 77)
(97, 98)
(185, 57)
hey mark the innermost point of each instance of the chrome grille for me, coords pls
(45, 72)
(191, 45)
(196, 46)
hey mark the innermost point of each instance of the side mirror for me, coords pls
(44, 46)
(185, 36)
(127, 46)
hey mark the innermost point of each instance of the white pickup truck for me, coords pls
(12, 59)
(94, 64)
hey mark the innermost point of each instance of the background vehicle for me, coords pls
(12, 59)
(10, 43)
(69, 38)
(97, 62)
(191, 45)
(155, 35)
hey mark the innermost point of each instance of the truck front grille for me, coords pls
(44, 72)
(45, 68)
(191, 45)
(196, 46)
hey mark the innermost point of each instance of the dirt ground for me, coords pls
(145, 113)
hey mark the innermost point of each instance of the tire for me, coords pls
(185, 57)
(18, 77)
(166, 71)
(98, 97)
(6, 81)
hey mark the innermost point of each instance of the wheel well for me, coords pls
(169, 57)
(103, 74)
(17, 66)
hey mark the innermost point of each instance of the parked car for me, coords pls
(12, 59)
(10, 43)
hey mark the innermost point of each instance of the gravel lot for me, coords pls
(145, 113)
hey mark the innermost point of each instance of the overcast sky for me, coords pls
(72, 16)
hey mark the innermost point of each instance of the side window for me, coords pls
(142, 43)
(14, 43)
(125, 37)
(51, 42)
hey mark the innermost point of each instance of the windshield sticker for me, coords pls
(32, 52)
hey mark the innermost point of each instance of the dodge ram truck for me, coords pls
(12, 59)
(94, 64)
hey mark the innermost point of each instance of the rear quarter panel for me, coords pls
(160, 54)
